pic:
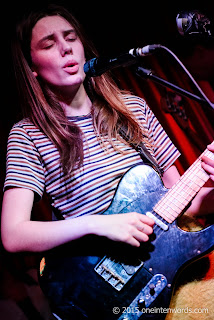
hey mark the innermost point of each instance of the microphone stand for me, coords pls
(147, 73)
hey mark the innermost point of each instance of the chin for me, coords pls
(75, 80)
(71, 87)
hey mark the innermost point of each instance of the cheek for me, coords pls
(78, 49)
(42, 65)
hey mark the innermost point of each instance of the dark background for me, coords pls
(114, 27)
(117, 25)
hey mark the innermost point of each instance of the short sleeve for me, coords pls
(23, 168)
(164, 150)
(155, 137)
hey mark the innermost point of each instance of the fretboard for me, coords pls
(180, 195)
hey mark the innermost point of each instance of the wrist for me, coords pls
(92, 225)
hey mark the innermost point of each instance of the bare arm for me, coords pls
(170, 177)
(19, 233)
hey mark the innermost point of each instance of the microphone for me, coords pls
(97, 66)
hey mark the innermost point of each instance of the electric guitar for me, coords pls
(96, 278)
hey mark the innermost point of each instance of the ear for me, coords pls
(35, 73)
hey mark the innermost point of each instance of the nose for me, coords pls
(66, 48)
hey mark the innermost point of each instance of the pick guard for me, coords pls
(139, 190)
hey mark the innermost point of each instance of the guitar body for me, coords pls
(95, 278)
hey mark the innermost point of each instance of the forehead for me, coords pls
(50, 25)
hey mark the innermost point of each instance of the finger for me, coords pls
(208, 167)
(134, 242)
(137, 237)
(140, 236)
(211, 147)
(212, 177)
(147, 220)
(207, 160)
(145, 228)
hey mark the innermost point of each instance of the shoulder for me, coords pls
(23, 126)
(133, 101)
(136, 104)
(140, 109)
(24, 136)
(24, 130)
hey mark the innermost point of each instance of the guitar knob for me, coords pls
(152, 289)
(141, 303)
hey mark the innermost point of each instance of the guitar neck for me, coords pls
(181, 194)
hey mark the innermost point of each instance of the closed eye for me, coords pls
(70, 39)
(48, 44)
(48, 41)
(70, 35)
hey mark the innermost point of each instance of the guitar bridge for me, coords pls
(117, 274)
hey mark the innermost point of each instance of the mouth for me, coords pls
(71, 66)
(70, 63)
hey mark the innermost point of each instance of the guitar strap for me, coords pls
(142, 150)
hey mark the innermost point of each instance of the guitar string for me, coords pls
(158, 231)
(198, 172)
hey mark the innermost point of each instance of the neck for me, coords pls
(76, 103)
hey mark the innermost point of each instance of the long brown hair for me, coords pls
(40, 104)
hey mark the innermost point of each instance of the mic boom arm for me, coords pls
(146, 73)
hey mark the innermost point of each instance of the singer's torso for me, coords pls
(89, 189)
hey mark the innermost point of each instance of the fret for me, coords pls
(185, 191)
(174, 206)
(168, 217)
(209, 154)
(167, 203)
(181, 194)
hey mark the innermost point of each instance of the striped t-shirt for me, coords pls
(33, 162)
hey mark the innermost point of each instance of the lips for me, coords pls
(70, 63)
(71, 66)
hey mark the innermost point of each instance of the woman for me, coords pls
(68, 144)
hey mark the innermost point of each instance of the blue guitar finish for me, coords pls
(95, 278)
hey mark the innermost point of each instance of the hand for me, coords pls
(207, 163)
(131, 228)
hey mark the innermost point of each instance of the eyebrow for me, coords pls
(51, 36)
